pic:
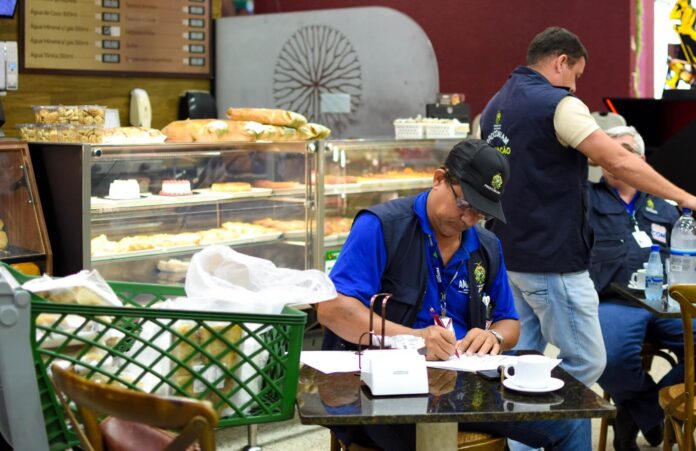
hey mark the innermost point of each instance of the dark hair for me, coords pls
(555, 41)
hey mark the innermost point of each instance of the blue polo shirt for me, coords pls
(363, 259)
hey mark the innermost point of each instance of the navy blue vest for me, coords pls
(545, 200)
(616, 254)
(406, 271)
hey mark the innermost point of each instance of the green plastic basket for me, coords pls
(245, 364)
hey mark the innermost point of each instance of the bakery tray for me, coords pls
(200, 196)
(262, 238)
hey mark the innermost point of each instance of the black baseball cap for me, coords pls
(482, 173)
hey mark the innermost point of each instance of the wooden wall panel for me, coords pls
(112, 91)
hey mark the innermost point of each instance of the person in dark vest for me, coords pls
(430, 254)
(548, 134)
(626, 222)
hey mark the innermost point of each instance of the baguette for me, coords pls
(314, 131)
(279, 133)
(267, 116)
(208, 130)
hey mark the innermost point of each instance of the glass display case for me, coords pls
(138, 213)
(356, 174)
(23, 237)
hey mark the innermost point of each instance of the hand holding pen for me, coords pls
(438, 322)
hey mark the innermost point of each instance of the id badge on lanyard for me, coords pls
(642, 238)
(442, 287)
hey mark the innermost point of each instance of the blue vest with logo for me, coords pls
(406, 271)
(616, 254)
(545, 200)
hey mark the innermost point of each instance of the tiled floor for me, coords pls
(293, 436)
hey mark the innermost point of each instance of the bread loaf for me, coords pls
(132, 135)
(28, 268)
(230, 187)
(279, 133)
(208, 130)
(314, 131)
(267, 116)
(215, 339)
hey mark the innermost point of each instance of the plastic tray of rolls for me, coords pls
(61, 133)
(69, 114)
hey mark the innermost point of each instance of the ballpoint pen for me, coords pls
(486, 300)
(438, 322)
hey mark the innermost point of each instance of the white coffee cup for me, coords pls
(531, 371)
(638, 279)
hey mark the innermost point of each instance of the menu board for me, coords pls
(136, 36)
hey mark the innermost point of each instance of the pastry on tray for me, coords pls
(230, 187)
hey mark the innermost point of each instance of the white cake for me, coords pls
(124, 189)
(176, 188)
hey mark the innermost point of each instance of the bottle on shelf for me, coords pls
(682, 267)
(654, 275)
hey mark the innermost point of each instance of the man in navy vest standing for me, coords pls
(429, 252)
(548, 134)
(626, 223)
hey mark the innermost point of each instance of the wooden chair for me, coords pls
(466, 441)
(678, 400)
(135, 420)
(648, 352)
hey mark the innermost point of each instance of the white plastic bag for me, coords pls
(84, 288)
(253, 285)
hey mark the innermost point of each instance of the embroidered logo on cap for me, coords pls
(497, 181)
(498, 117)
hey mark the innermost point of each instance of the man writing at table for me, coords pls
(626, 222)
(428, 251)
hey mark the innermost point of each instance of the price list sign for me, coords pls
(159, 37)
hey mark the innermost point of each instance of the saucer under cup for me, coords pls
(553, 384)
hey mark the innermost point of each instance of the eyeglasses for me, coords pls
(462, 204)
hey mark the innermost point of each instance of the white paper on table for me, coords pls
(331, 361)
(474, 363)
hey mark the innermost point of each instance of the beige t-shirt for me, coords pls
(573, 122)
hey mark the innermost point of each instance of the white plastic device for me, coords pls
(394, 372)
(12, 65)
(9, 66)
(140, 110)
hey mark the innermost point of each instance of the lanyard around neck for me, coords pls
(438, 272)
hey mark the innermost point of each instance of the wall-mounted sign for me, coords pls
(158, 37)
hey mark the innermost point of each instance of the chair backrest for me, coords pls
(193, 419)
(685, 294)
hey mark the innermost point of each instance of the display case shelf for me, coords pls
(125, 239)
(177, 250)
(199, 196)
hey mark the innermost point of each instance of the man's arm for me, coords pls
(349, 318)
(481, 342)
(632, 169)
